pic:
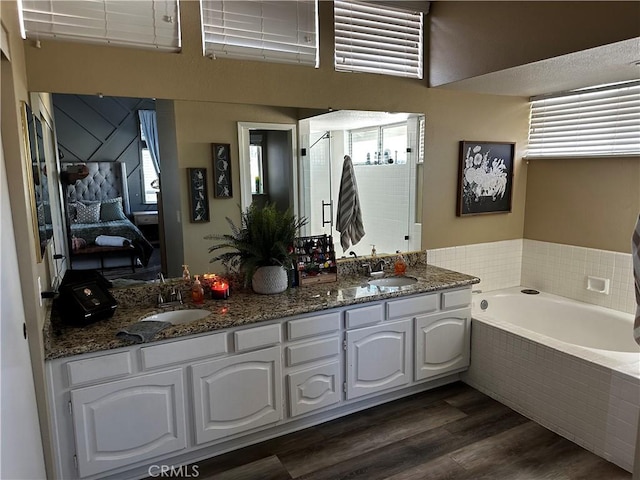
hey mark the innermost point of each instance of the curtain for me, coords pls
(150, 132)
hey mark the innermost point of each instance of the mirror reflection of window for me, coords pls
(394, 144)
(257, 173)
(364, 146)
(383, 145)
(149, 174)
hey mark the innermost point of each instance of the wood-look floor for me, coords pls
(453, 432)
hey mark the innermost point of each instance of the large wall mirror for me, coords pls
(386, 152)
(38, 181)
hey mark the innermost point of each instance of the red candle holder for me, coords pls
(219, 289)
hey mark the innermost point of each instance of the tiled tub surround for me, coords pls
(590, 396)
(242, 308)
(497, 264)
(563, 270)
(550, 267)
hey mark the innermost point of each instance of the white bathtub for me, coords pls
(576, 323)
(569, 366)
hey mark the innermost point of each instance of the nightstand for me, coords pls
(147, 222)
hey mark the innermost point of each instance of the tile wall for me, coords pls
(593, 406)
(563, 270)
(497, 264)
(550, 267)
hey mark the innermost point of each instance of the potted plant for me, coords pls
(262, 246)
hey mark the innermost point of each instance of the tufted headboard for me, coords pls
(106, 180)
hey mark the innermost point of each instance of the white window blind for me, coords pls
(376, 39)
(271, 31)
(591, 122)
(151, 24)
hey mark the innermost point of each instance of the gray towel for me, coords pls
(141, 332)
(349, 218)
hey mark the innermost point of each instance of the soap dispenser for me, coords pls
(186, 275)
(400, 267)
(373, 251)
(197, 292)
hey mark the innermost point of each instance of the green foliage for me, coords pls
(265, 238)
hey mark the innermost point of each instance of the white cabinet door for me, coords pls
(235, 394)
(378, 358)
(442, 343)
(123, 422)
(313, 388)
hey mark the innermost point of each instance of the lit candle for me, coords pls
(219, 289)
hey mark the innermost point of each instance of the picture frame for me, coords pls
(222, 170)
(485, 177)
(198, 195)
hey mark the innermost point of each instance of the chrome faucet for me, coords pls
(161, 278)
(175, 298)
(379, 265)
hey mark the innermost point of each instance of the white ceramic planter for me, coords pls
(270, 280)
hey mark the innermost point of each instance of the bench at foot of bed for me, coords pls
(94, 252)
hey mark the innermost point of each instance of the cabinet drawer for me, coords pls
(457, 299)
(316, 325)
(99, 368)
(313, 388)
(183, 350)
(313, 350)
(257, 337)
(359, 317)
(411, 307)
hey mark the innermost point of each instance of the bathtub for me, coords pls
(570, 366)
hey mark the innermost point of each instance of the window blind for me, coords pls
(377, 39)
(272, 31)
(591, 122)
(151, 24)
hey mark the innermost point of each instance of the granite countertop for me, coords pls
(243, 307)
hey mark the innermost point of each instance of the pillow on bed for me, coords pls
(72, 212)
(88, 212)
(112, 210)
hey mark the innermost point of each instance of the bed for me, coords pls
(98, 211)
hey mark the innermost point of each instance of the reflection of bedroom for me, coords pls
(112, 206)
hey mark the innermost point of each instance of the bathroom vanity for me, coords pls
(233, 379)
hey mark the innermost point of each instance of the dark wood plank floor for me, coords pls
(453, 432)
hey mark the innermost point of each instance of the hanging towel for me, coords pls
(349, 218)
(635, 253)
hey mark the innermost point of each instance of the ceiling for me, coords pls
(611, 63)
(354, 119)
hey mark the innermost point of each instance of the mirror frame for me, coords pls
(34, 165)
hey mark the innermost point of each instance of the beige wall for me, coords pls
(14, 92)
(452, 117)
(199, 124)
(500, 35)
(587, 202)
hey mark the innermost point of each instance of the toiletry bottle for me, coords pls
(400, 266)
(197, 292)
(373, 250)
(186, 275)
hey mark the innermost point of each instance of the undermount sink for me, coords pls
(178, 317)
(393, 282)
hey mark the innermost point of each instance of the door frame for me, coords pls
(244, 132)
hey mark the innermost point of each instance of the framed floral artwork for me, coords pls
(198, 197)
(222, 170)
(485, 177)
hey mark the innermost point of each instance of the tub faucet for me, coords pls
(161, 278)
